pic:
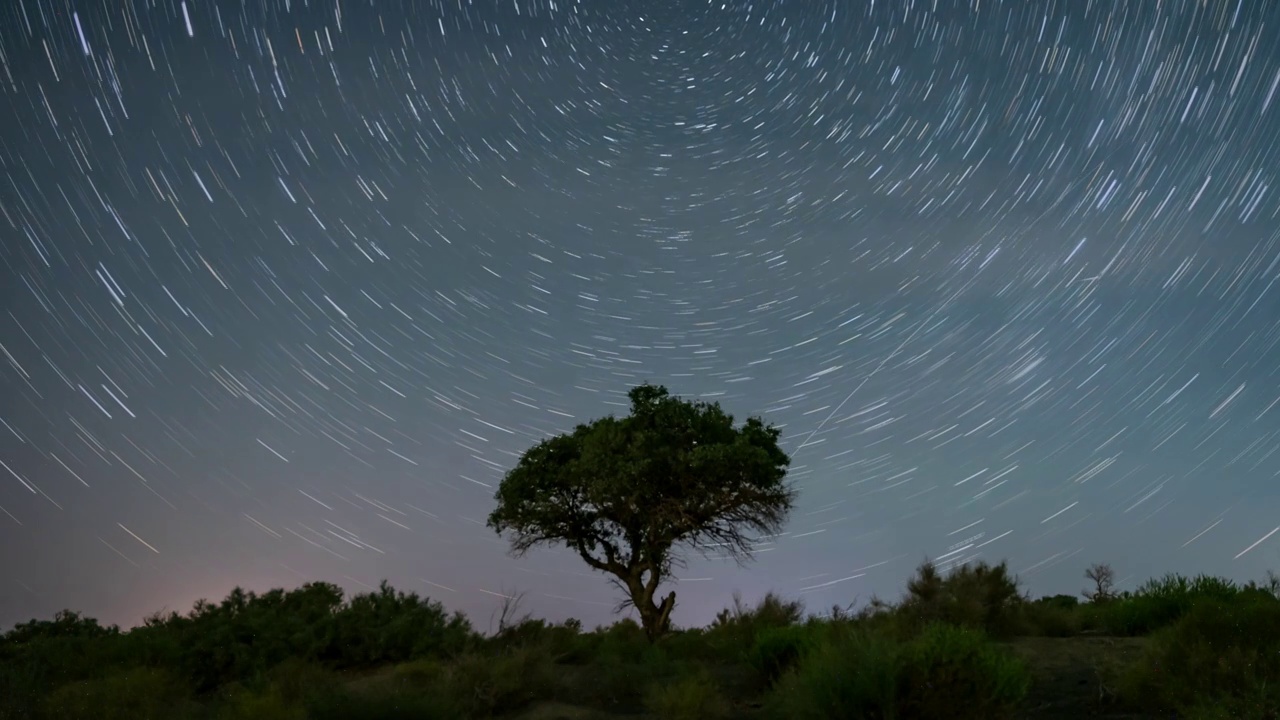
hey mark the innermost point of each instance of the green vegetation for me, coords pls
(960, 644)
(628, 496)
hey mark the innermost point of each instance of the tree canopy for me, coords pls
(631, 495)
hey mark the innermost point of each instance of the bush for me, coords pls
(420, 673)
(297, 680)
(771, 611)
(561, 642)
(692, 697)
(1057, 616)
(623, 641)
(778, 649)
(851, 673)
(1064, 602)
(244, 636)
(40, 656)
(691, 644)
(241, 638)
(268, 705)
(137, 694)
(341, 704)
(389, 626)
(1225, 654)
(1161, 602)
(957, 673)
(946, 672)
(732, 635)
(484, 685)
(977, 596)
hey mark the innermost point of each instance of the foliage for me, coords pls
(386, 626)
(945, 671)
(39, 656)
(485, 685)
(851, 673)
(398, 704)
(957, 673)
(1220, 654)
(242, 704)
(735, 630)
(778, 649)
(771, 611)
(238, 640)
(1064, 602)
(630, 496)
(1052, 617)
(66, 624)
(138, 694)
(562, 642)
(974, 595)
(693, 697)
(307, 654)
(1161, 602)
(246, 634)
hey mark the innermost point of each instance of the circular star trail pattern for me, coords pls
(289, 285)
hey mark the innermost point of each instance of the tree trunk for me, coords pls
(655, 618)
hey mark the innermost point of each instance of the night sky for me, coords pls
(287, 286)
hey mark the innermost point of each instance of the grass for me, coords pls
(966, 644)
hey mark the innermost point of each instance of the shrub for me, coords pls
(692, 697)
(1065, 602)
(1096, 617)
(733, 633)
(483, 685)
(40, 656)
(245, 635)
(420, 673)
(957, 673)
(137, 694)
(778, 649)
(851, 673)
(268, 705)
(296, 680)
(771, 611)
(1057, 616)
(1161, 602)
(1220, 653)
(342, 704)
(692, 644)
(624, 641)
(561, 641)
(977, 595)
(945, 671)
(389, 626)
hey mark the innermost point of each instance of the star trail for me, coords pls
(287, 286)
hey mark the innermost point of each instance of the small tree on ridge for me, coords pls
(1104, 580)
(630, 495)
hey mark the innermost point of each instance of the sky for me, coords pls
(287, 286)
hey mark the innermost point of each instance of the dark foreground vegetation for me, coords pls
(961, 644)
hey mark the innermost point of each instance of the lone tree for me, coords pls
(630, 495)
(1104, 580)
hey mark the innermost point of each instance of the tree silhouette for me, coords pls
(1104, 579)
(629, 495)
